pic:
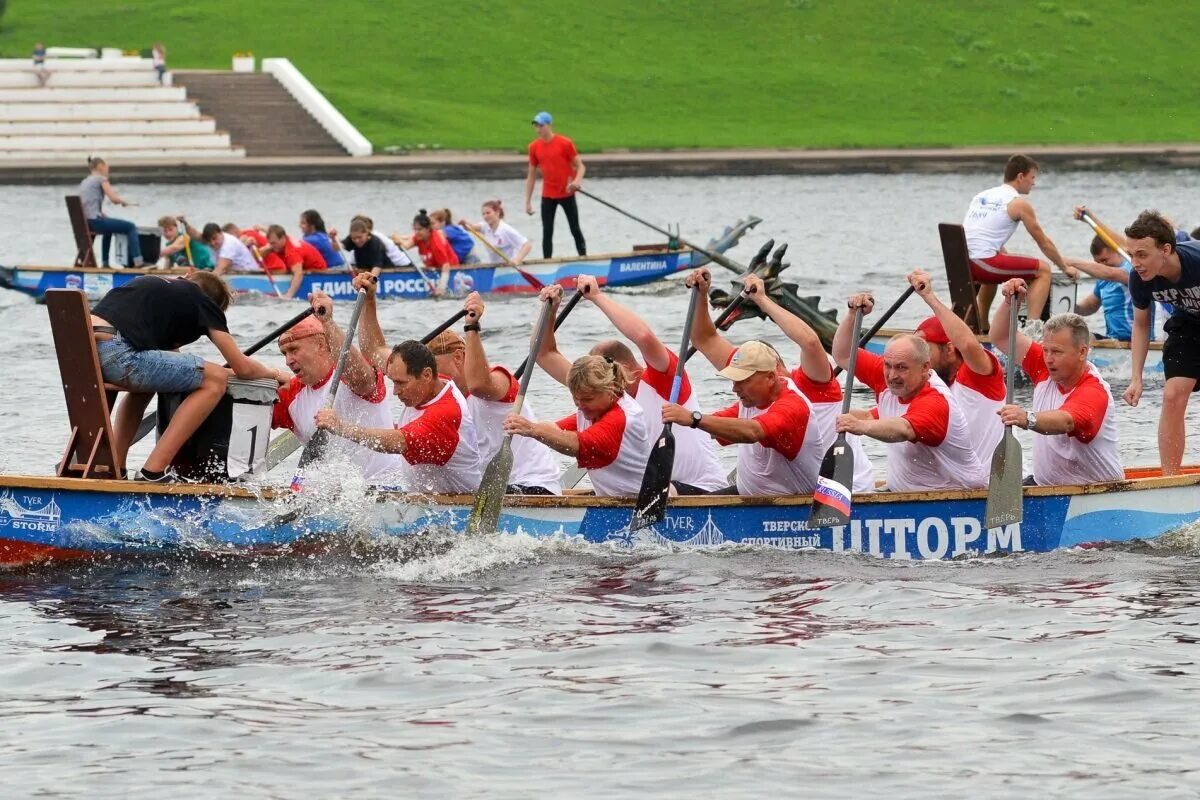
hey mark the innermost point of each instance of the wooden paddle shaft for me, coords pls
(858, 315)
(1103, 234)
(559, 320)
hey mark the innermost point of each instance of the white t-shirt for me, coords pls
(240, 257)
(534, 464)
(1088, 454)
(987, 225)
(980, 398)
(696, 462)
(505, 238)
(826, 402)
(297, 410)
(441, 453)
(614, 449)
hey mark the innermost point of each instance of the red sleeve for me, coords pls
(990, 386)
(1035, 364)
(568, 149)
(661, 382)
(869, 370)
(443, 253)
(311, 257)
(785, 424)
(569, 422)
(1087, 406)
(828, 392)
(513, 387)
(259, 237)
(432, 437)
(728, 413)
(533, 154)
(600, 444)
(377, 394)
(875, 412)
(281, 413)
(929, 415)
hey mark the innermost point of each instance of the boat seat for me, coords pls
(90, 451)
(84, 255)
(958, 274)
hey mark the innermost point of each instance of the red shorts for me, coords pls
(1003, 266)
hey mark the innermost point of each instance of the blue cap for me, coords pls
(542, 118)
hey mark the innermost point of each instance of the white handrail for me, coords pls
(315, 103)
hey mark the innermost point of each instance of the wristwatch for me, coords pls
(471, 326)
(696, 417)
(1030, 421)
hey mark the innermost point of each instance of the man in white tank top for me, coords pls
(1072, 405)
(990, 222)
(697, 469)
(929, 444)
(309, 349)
(491, 392)
(973, 374)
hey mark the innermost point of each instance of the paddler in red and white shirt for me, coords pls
(813, 377)
(781, 446)
(434, 431)
(974, 375)
(929, 443)
(697, 469)
(606, 435)
(491, 392)
(1072, 410)
(309, 349)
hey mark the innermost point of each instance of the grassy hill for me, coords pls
(690, 73)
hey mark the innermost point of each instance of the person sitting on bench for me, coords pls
(92, 191)
(139, 328)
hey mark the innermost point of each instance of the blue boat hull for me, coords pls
(51, 518)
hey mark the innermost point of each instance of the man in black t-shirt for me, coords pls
(139, 328)
(1166, 272)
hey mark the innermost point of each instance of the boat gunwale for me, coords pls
(1191, 477)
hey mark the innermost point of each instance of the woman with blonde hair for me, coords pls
(606, 435)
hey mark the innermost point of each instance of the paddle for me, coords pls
(656, 480)
(866, 338)
(485, 514)
(562, 317)
(831, 500)
(712, 255)
(1004, 501)
(151, 420)
(756, 263)
(1103, 234)
(286, 443)
(258, 257)
(532, 281)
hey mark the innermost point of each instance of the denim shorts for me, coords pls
(149, 370)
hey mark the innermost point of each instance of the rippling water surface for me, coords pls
(506, 667)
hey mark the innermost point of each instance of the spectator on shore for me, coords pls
(92, 191)
(39, 63)
(159, 54)
(562, 173)
(312, 230)
(180, 250)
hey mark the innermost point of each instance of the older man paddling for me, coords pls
(1072, 405)
(929, 443)
(974, 375)
(435, 432)
(310, 350)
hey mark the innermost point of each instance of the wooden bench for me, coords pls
(84, 255)
(963, 289)
(90, 451)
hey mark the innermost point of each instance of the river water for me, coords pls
(508, 667)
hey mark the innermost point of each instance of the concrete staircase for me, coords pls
(259, 114)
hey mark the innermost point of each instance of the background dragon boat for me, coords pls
(55, 519)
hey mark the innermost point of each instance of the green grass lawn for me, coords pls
(690, 73)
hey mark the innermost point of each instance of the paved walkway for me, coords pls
(456, 165)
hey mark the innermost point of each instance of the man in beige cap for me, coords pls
(309, 349)
(781, 453)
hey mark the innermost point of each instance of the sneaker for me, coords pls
(150, 476)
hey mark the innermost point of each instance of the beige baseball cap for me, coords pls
(748, 359)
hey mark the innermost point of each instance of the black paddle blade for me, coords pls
(1005, 504)
(656, 483)
(831, 500)
(315, 448)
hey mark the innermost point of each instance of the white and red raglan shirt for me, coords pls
(942, 457)
(441, 450)
(614, 449)
(534, 464)
(826, 401)
(1089, 453)
(696, 462)
(980, 398)
(297, 409)
(788, 458)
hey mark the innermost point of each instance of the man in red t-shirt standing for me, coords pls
(562, 172)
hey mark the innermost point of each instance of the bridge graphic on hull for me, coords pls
(11, 508)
